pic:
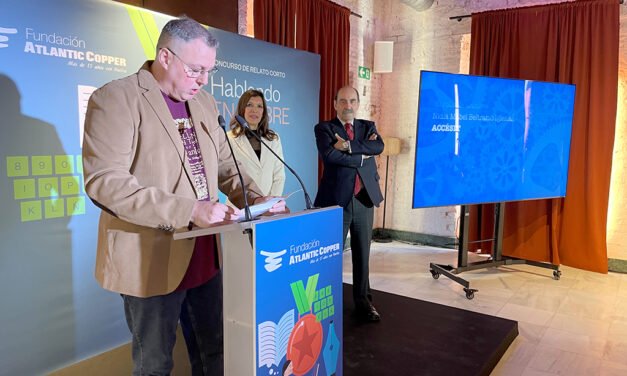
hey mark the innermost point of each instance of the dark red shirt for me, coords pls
(204, 262)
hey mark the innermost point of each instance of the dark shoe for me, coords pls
(368, 313)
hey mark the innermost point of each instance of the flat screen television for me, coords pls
(484, 139)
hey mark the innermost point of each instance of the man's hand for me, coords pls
(372, 137)
(341, 144)
(278, 208)
(209, 213)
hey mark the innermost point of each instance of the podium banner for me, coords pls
(299, 295)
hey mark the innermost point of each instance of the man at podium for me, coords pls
(154, 159)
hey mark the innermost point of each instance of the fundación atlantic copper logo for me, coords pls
(4, 32)
(273, 259)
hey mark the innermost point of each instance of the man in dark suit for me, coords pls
(350, 180)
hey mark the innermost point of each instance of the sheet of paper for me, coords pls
(259, 209)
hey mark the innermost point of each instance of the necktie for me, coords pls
(351, 136)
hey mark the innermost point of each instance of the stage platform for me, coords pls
(420, 338)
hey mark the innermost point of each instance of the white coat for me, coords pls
(267, 172)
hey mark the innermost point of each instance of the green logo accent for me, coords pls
(364, 72)
(30, 210)
(48, 187)
(69, 185)
(23, 188)
(76, 205)
(306, 298)
(79, 164)
(66, 181)
(17, 166)
(54, 208)
(42, 165)
(64, 164)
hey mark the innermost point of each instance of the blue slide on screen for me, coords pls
(484, 139)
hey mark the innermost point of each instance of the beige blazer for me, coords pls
(136, 171)
(267, 172)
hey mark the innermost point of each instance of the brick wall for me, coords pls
(422, 40)
(245, 17)
(617, 214)
(429, 40)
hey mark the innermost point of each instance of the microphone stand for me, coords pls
(247, 216)
(244, 124)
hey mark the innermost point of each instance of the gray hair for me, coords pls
(185, 29)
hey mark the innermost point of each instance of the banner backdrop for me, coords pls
(53, 55)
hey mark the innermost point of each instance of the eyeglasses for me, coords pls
(193, 73)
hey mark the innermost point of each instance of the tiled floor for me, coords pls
(574, 326)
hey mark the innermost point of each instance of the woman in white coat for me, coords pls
(258, 162)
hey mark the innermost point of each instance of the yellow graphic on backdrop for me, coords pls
(50, 186)
(47, 186)
(146, 29)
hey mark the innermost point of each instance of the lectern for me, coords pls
(282, 293)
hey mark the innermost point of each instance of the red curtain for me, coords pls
(322, 27)
(575, 43)
(275, 21)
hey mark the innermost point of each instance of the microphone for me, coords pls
(247, 216)
(244, 124)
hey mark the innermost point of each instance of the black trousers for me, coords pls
(358, 218)
(153, 321)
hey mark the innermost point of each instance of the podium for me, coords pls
(282, 284)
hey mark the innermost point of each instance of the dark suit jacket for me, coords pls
(340, 167)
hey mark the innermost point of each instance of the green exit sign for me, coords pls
(364, 72)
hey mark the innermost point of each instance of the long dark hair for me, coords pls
(263, 128)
